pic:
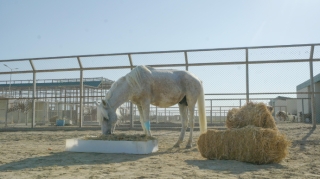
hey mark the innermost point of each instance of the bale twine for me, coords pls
(257, 114)
(249, 144)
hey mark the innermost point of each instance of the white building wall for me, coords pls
(288, 105)
(317, 101)
(280, 105)
(292, 106)
(306, 102)
(3, 109)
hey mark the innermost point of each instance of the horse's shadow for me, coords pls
(231, 166)
(64, 159)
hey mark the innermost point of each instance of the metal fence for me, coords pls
(231, 76)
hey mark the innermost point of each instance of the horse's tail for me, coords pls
(202, 112)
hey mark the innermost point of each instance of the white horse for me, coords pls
(282, 115)
(144, 86)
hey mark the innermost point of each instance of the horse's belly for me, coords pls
(164, 100)
(167, 92)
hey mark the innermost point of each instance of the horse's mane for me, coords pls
(136, 78)
(113, 87)
(139, 76)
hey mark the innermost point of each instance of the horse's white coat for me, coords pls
(282, 115)
(144, 86)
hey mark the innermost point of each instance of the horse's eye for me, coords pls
(105, 119)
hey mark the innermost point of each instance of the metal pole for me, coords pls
(81, 93)
(220, 114)
(131, 105)
(186, 59)
(28, 110)
(10, 84)
(81, 98)
(34, 95)
(211, 117)
(6, 122)
(131, 115)
(8, 99)
(10, 76)
(313, 105)
(247, 75)
(302, 115)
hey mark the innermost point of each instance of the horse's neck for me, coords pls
(119, 95)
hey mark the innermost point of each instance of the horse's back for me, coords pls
(171, 75)
(170, 86)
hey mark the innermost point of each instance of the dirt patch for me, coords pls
(41, 154)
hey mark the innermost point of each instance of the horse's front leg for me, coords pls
(184, 121)
(146, 117)
(142, 119)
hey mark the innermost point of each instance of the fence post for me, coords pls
(211, 111)
(247, 76)
(131, 116)
(81, 93)
(313, 105)
(34, 95)
(131, 105)
(186, 60)
(6, 121)
(220, 115)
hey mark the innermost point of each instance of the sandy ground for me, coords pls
(37, 154)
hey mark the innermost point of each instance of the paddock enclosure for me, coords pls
(286, 77)
(36, 92)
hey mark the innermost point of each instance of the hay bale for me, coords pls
(257, 114)
(249, 144)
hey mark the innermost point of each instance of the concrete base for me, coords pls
(104, 146)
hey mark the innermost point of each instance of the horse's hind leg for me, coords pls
(191, 125)
(184, 121)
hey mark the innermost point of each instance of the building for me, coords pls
(304, 105)
(282, 103)
(55, 97)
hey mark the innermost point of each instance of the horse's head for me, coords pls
(270, 108)
(109, 117)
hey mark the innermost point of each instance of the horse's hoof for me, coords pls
(188, 146)
(176, 146)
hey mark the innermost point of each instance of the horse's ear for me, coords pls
(104, 103)
(97, 103)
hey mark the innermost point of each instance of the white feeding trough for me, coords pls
(107, 146)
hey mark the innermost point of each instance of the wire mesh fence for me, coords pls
(66, 88)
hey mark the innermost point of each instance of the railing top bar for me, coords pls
(157, 52)
(57, 80)
(162, 65)
(264, 93)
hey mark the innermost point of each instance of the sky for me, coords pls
(37, 28)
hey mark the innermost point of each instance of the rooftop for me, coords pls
(98, 82)
(307, 83)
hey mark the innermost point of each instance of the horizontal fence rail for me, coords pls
(83, 94)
